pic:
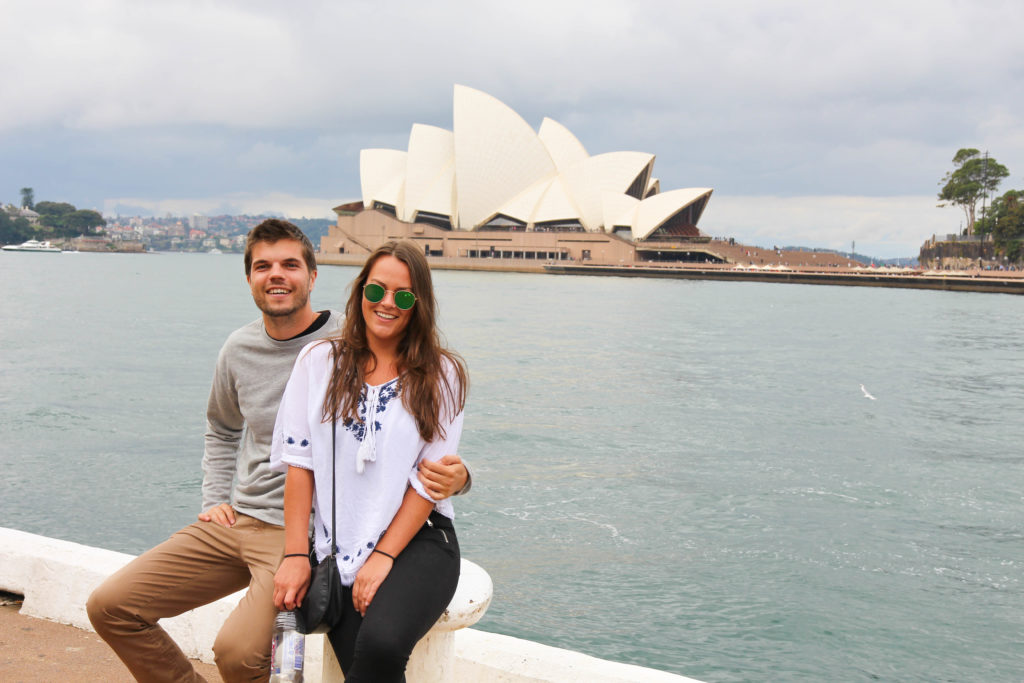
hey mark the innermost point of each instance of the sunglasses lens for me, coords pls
(404, 299)
(373, 293)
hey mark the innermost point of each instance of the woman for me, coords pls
(396, 397)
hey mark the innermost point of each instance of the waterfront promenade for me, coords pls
(977, 280)
(1002, 282)
(42, 650)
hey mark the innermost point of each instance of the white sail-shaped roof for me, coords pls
(439, 198)
(619, 210)
(614, 172)
(431, 159)
(544, 201)
(565, 149)
(493, 163)
(521, 207)
(654, 211)
(382, 174)
(653, 188)
(556, 205)
(391, 193)
(497, 155)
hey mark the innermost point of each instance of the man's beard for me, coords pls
(267, 309)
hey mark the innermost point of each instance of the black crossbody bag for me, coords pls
(323, 601)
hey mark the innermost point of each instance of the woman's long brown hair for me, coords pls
(427, 393)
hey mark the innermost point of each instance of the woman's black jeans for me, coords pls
(376, 648)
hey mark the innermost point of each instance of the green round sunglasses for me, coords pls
(374, 293)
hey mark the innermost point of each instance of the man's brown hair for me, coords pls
(273, 230)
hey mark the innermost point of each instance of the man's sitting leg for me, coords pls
(195, 566)
(242, 648)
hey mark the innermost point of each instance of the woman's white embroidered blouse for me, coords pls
(377, 458)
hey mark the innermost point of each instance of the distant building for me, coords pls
(198, 222)
(21, 212)
(494, 186)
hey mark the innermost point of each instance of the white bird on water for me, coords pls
(866, 394)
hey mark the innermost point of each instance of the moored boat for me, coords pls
(33, 245)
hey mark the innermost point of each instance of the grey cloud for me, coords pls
(789, 98)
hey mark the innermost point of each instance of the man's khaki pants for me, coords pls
(197, 565)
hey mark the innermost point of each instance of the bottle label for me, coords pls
(287, 652)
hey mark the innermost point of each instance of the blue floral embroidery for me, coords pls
(370, 544)
(345, 558)
(304, 443)
(387, 392)
(358, 427)
(290, 440)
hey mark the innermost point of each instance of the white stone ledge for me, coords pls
(482, 656)
(56, 577)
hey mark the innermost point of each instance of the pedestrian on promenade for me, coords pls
(361, 411)
(239, 539)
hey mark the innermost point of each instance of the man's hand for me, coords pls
(443, 478)
(369, 578)
(291, 582)
(221, 514)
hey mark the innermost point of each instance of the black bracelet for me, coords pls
(377, 550)
(296, 555)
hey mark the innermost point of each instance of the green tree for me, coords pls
(52, 218)
(53, 209)
(1006, 223)
(28, 198)
(13, 230)
(60, 219)
(82, 222)
(975, 175)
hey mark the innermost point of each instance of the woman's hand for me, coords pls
(291, 582)
(292, 578)
(369, 578)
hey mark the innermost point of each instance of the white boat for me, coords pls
(33, 245)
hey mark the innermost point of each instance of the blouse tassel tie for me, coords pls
(368, 448)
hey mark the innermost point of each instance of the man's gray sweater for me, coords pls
(252, 371)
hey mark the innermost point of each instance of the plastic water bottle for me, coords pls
(287, 650)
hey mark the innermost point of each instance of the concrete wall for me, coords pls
(56, 577)
(957, 252)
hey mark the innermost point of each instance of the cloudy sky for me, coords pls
(816, 123)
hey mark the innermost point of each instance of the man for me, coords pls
(239, 538)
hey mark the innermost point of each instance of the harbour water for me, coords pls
(679, 474)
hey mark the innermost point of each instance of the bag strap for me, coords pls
(334, 483)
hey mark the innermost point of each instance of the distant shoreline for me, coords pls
(1001, 282)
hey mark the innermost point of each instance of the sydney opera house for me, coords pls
(493, 187)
